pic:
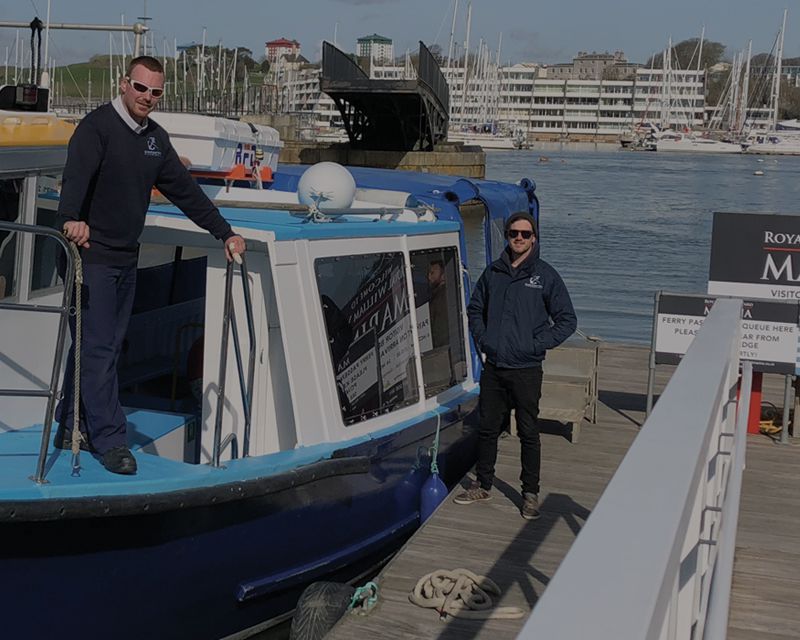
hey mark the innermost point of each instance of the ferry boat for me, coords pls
(285, 414)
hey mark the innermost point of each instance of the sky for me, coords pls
(532, 31)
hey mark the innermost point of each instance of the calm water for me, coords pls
(620, 225)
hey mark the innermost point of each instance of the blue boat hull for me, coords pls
(206, 565)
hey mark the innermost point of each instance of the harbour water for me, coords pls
(620, 225)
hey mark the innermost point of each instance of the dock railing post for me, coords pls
(787, 401)
(651, 366)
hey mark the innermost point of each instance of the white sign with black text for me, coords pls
(770, 331)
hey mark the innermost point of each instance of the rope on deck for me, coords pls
(462, 594)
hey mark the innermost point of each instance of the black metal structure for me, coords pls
(388, 115)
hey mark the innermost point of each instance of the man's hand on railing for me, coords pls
(78, 232)
(234, 246)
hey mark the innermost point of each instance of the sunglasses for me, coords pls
(140, 87)
(513, 233)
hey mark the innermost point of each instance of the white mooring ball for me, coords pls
(327, 185)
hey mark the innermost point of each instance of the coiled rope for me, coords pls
(76, 387)
(462, 594)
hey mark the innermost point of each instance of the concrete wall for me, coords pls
(469, 162)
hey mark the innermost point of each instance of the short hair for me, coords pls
(148, 62)
(521, 215)
(438, 263)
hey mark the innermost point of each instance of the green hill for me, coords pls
(72, 81)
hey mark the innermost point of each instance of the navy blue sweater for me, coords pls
(511, 310)
(108, 178)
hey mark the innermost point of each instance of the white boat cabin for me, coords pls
(359, 325)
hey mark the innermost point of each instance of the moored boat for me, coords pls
(297, 454)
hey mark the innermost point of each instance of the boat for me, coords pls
(286, 414)
(777, 142)
(693, 143)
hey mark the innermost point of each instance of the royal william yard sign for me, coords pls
(755, 256)
(770, 331)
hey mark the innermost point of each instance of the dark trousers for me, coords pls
(501, 391)
(107, 300)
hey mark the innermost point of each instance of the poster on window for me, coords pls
(370, 334)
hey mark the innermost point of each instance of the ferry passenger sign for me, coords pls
(755, 256)
(770, 332)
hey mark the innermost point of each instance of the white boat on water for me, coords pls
(693, 143)
(779, 142)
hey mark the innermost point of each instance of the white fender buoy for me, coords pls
(326, 185)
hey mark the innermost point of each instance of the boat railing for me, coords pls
(230, 329)
(654, 561)
(64, 310)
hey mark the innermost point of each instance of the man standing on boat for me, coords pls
(115, 158)
(520, 308)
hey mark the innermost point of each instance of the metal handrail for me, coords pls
(64, 312)
(667, 520)
(246, 386)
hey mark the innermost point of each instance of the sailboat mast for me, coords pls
(452, 35)
(700, 50)
(778, 69)
(746, 85)
(466, 66)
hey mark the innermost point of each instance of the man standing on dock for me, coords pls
(519, 309)
(115, 157)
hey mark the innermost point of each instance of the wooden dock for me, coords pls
(521, 556)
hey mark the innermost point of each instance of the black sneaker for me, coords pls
(530, 506)
(63, 440)
(119, 460)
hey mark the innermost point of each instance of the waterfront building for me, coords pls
(527, 97)
(375, 47)
(275, 49)
(592, 66)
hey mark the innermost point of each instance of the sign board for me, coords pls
(755, 256)
(770, 331)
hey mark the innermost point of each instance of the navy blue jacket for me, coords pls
(109, 173)
(510, 313)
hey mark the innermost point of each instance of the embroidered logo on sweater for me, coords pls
(152, 147)
(534, 282)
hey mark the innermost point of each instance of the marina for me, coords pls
(301, 403)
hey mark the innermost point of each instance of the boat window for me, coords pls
(46, 251)
(440, 324)
(10, 196)
(368, 322)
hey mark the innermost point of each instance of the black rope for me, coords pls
(36, 27)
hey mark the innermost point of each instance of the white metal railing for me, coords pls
(655, 558)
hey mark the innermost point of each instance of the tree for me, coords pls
(685, 55)
(790, 101)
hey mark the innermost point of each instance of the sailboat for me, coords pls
(784, 136)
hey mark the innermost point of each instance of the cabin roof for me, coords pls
(288, 226)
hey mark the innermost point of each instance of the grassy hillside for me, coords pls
(73, 80)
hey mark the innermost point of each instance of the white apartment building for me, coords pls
(375, 47)
(522, 97)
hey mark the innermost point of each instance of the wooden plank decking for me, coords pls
(521, 556)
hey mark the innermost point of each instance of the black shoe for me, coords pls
(63, 440)
(119, 460)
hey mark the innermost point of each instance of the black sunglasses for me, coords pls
(156, 92)
(513, 233)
